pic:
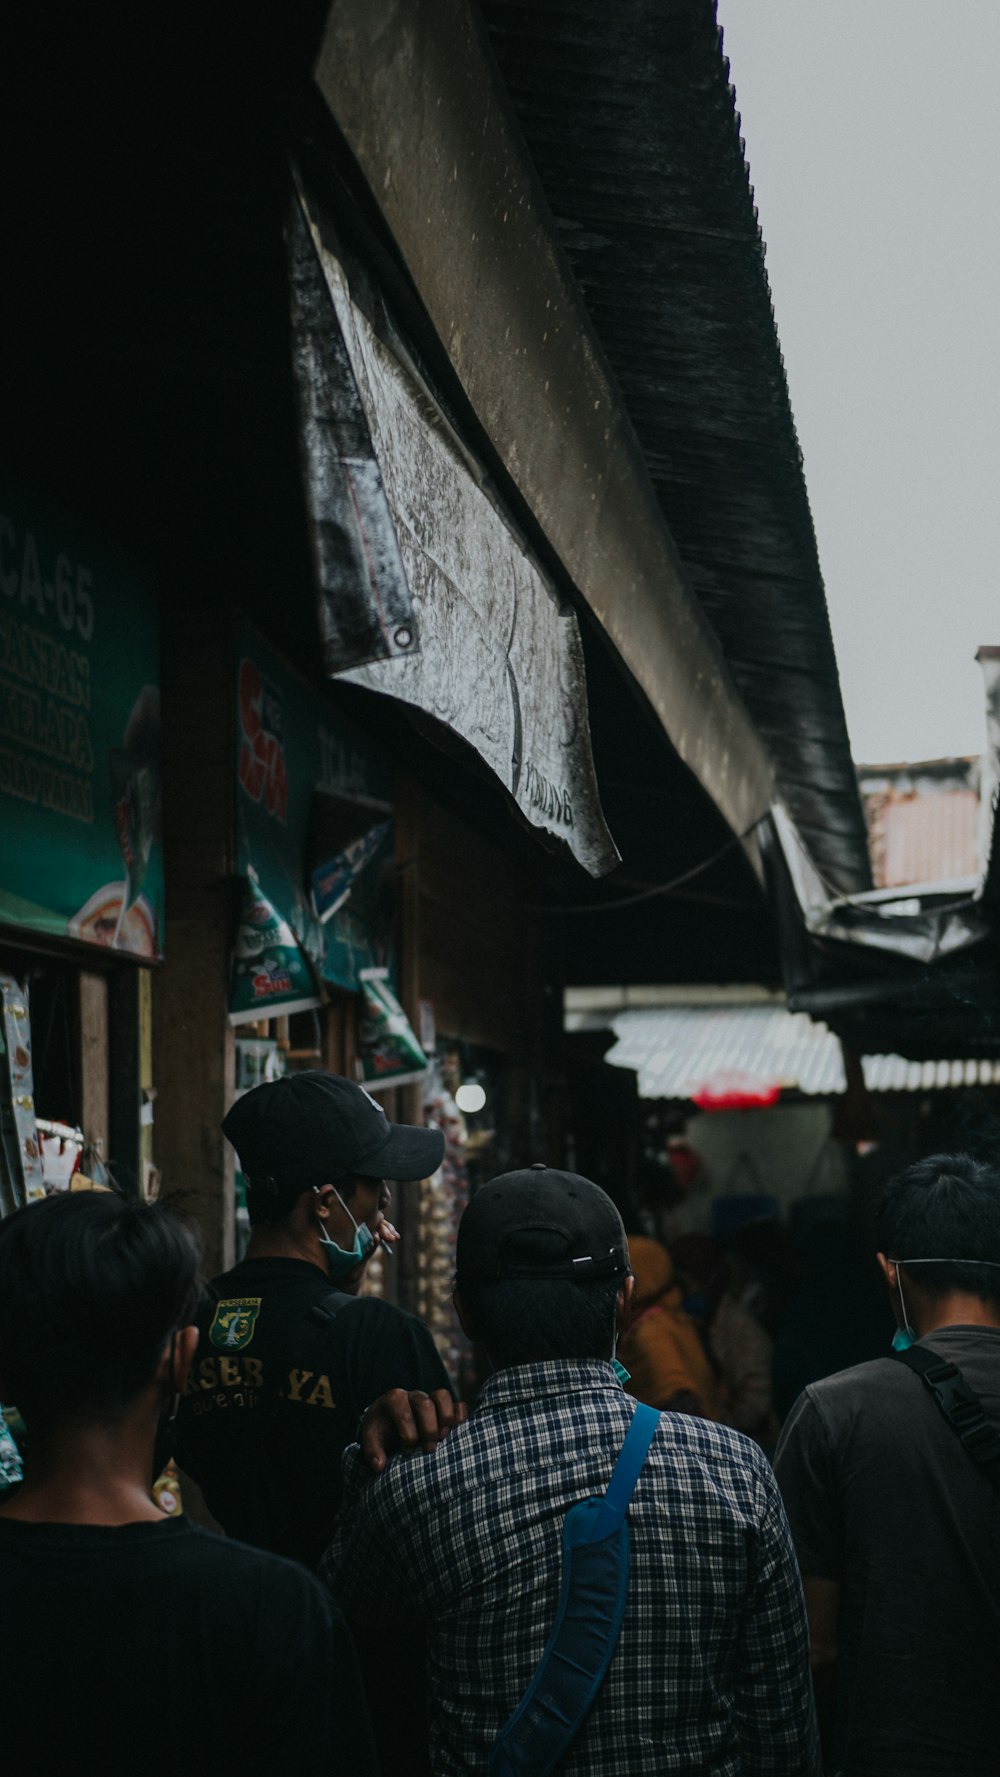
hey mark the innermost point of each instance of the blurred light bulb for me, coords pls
(470, 1097)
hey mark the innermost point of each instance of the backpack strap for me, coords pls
(593, 1591)
(312, 1329)
(960, 1405)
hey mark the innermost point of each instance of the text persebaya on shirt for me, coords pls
(239, 1382)
(234, 1380)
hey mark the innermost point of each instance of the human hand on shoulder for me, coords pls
(402, 1421)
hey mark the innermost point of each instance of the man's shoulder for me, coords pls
(857, 1386)
(723, 1469)
(367, 1317)
(481, 1453)
(686, 1438)
(226, 1562)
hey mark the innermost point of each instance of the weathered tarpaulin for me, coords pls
(365, 612)
(500, 659)
(921, 925)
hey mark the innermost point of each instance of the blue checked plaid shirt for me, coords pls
(711, 1673)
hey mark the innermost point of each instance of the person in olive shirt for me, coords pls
(289, 1356)
(129, 1638)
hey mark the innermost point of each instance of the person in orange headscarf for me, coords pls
(668, 1364)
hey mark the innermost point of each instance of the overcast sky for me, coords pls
(871, 134)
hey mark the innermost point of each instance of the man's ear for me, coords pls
(322, 1200)
(178, 1356)
(626, 1300)
(463, 1316)
(888, 1270)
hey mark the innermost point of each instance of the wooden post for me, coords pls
(193, 1050)
(94, 1115)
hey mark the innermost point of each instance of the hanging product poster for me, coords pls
(271, 973)
(22, 1176)
(389, 1052)
(79, 734)
(333, 881)
(314, 837)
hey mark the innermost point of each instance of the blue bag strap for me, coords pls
(593, 1591)
(626, 1472)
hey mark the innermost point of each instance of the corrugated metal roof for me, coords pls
(923, 838)
(631, 122)
(680, 1050)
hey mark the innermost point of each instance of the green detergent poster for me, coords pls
(313, 804)
(80, 850)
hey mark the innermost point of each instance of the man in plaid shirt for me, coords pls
(711, 1671)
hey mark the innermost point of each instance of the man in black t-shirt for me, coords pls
(289, 1357)
(133, 1641)
(894, 1522)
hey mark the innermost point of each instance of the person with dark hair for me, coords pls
(289, 1355)
(139, 1640)
(702, 1663)
(890, 1472)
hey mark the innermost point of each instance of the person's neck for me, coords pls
(91, 1473)
(286, 1243)
(958, 1310)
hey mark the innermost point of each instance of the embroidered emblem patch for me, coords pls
(234, 1322)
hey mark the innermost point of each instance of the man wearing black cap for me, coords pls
(710, 1668)
(289, 1356)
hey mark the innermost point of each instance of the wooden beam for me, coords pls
(94, 1116)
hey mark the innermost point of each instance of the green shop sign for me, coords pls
(80, 852)
(312, 801)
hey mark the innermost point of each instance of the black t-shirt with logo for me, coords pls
(275, 1395)
(157, 1648)
(883, 1498)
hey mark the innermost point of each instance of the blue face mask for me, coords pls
(904, 1336)
(340, 1260)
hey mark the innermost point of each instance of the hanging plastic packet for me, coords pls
(332, 882)
(11, 1469)
(18, 1125)
(390, 1053)
(271, 973)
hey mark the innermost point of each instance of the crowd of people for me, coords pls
(595, 1570)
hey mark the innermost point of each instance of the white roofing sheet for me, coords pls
(679, 1050)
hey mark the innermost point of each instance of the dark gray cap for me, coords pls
(313, 1128)
(541, 1223)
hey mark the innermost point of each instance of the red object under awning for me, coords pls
(735, 1091)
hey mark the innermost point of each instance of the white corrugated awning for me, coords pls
(678, 1051)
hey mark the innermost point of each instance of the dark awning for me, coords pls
(624, 364)
(631, 123)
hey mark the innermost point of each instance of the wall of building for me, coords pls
(787, 1152)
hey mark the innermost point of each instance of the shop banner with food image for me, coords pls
(79, 733)
(314, 842)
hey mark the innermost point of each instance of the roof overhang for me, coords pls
(414, 90)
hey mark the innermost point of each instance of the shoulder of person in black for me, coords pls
(362, 1345)
(175, 1650)
(285, 1367)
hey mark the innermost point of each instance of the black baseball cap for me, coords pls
(313, 1128)
(499, 1234)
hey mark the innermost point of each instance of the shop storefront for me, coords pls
(81, 867)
